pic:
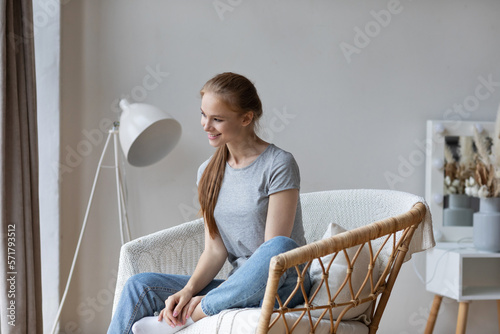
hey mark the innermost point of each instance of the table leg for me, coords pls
(498, 310)
(431, 321)
(463, 309)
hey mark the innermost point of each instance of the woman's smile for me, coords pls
(212, 136)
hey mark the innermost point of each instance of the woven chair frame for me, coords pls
(394, 232)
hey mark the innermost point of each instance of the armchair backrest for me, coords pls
(352, 208)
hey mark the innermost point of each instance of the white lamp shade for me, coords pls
(147, 134)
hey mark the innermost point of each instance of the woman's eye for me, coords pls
(215, 119)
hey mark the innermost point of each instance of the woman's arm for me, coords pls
(182, 303)
(281, 213)
(211, 261)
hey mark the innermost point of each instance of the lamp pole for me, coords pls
(119, 187)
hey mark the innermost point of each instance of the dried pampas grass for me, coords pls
(457, 172)
(482, 148)
(496, 144)
(487, 171)
(466, 150)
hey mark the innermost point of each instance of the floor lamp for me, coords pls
(146, 135)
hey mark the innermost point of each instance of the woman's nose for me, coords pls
(206, 124)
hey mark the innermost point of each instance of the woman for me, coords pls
(249, 196)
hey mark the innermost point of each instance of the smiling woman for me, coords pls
(249, 196)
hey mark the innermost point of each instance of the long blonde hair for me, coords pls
(240, 95)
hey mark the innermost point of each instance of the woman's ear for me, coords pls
(247, 118)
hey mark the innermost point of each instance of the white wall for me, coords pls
(351, 122)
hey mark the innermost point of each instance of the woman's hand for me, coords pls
(188, 309)
(178, 308)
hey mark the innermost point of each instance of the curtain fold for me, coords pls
(20, 263)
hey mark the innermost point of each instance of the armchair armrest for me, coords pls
(174, 250)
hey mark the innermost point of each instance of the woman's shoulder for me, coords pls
(283, 172)
(201, 169)
(279, 154)
(204, 164)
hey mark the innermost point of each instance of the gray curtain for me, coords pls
(20, 264)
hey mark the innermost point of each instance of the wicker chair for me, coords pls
(382, 221)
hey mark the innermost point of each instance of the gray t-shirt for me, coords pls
(241, 209)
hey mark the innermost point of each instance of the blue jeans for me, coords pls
(145, 293)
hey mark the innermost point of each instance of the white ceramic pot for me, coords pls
(458, 212)
(487, 225)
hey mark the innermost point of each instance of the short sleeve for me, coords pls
(285, 173)
(201, 169)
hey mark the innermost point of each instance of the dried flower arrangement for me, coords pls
(458, 171)
(486, 179)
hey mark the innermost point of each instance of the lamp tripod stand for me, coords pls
(147, 135)
(122, 213)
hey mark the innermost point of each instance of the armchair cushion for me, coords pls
(244, 321)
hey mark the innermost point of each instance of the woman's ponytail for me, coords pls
(209, 187)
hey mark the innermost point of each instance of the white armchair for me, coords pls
(380, 222)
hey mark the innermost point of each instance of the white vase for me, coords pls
(458, 212)
(487, 225)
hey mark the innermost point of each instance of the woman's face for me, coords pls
(221, 124)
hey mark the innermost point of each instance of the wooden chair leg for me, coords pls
(463, 309)
(431, 321)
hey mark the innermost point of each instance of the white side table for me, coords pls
(461, 272)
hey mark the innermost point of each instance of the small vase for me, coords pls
(458, 212)
(487, 225)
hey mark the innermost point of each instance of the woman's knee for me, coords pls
(141, 278)
(138, 281)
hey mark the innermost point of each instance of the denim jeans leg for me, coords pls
(144, 294)
(247, 285)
